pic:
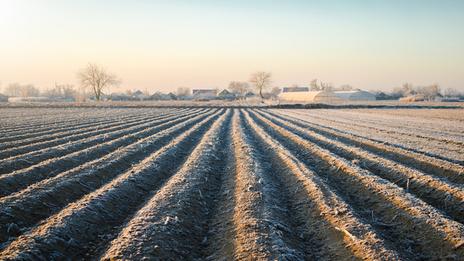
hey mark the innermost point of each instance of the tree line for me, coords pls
(96, 80)
(428, 92)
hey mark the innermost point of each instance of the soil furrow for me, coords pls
(442, 151)
(20, 179)
(32, 159)
(377, 126)
(68, 115)
(19, 150)
(412, 226)
(174, 220)
(327, 222)
(48, 121)
(434, 126)
(38, 201)
(79, 227)
(200, 183)
(260, 219)
(434, 166)
(440, 194)
(27, 145)
(30, 133)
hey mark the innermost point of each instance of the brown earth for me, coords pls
(231, 184)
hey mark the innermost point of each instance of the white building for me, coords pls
(355, 95)
(306, 96)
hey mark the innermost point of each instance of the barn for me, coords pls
(204, 94)
(158, 96)
(355, 95)
(226, 95)
(304, 95)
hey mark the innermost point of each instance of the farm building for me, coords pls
(226, 95)
(120, 97)
(204, 94)
(158, 96)
(250, 95)
(139, 95)
(304, 95)
(355, 95)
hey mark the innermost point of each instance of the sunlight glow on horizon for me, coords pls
(160, 45)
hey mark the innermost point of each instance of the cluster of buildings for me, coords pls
(305, 95)
(287, 94)
(196, 95)
(209, 94)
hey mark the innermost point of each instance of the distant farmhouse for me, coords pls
(226, 95)
(139, 95)
(158, 96)
(135, 96)
(204, 94)
(121, 97)
(250, 95)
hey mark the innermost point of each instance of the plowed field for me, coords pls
(231, 184)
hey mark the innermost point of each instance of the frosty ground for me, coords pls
(225, 183)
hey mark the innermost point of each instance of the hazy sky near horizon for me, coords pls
(161, 45)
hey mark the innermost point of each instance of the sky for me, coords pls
(162, 45)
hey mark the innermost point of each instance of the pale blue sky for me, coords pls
(160, 45)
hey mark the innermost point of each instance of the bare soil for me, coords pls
(231, 184)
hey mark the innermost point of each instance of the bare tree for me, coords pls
(451, 92)
(183, 92)
(326, 86)
(429, 92)
(314, 86)
(239, 88)
(146, 92)
(261, 81)
(433, 91)
(321, 86)
(18, 90)
(13, 90)
(275, 91)
(68, 91)
(96, 78)
(408, 89)
(65, 91)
